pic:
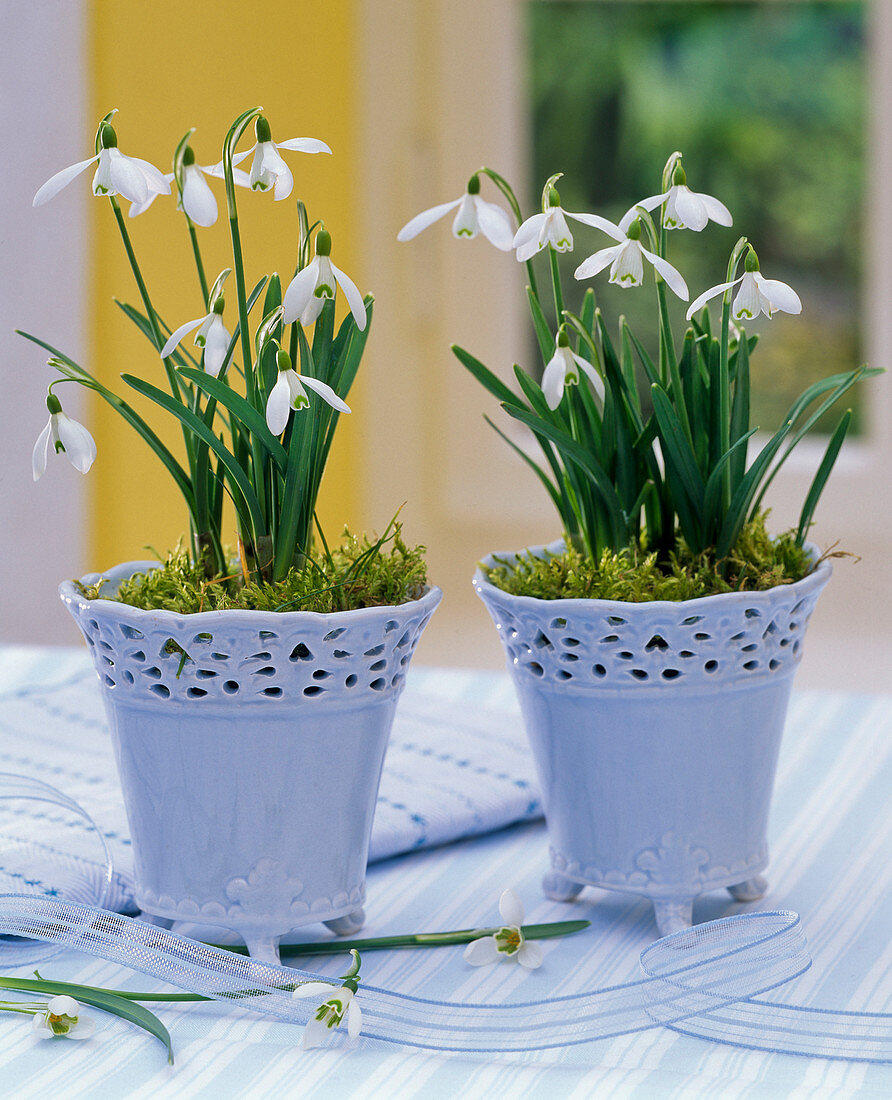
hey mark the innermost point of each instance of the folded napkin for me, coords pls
(456, 767)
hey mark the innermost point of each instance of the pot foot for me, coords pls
(751, 890)
(264, 949)
(347, 925)
(557, 887)
(673, 916)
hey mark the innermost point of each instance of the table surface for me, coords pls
(831, 839)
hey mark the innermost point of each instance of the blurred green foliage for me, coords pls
(767, 102)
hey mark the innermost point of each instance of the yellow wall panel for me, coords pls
(168, 66)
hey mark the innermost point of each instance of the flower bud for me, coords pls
(634, 230)
(283, 359)
(108, 139)
(678, 176)
(554, 199)
(53, 403)
(262, 130)
(752, 260)
(219, 303)
(563, 339)
(323, 242)
(474, 184)
(188, 156)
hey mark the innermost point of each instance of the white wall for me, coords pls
(43, 286)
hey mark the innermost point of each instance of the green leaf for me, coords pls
(242, 410)
(820, 479)
(740, 411)
(199, 428)
(543, 331)
(486, 377)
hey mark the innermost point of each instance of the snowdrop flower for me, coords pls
(508, 942)
(134, 179)
(313, 284)
(687, 209)
(337, 1007)
(756, 295)
(563, 370)
(288, 393)
(268, 169)
(67, 437)
(212, 336)
(550, 227)
(474, 216)
(196, 198)
(626, 260)
(63, 1017)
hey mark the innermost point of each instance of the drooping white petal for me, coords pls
(270, 169)
(599, 223)
(627, 269)
(424, 219)
(237, 158)
(123, 175)
(597, 262)
(529, 955)
(80, 447)
(216, 345)
(278, 407)
(326, 393)
(630, 215)
(671, 276)
(239, 177)
(304, 145)
(708, 295)
(312, 989)
(529, 231)
(315, 1034)
(494, 223)
(61, 179)
(482, 951)
(297, 395)
(354, 1018)
(175, 337)
(553, 380)
(284, 183)
(511, 908)
(353, 296)
(559, 232)
(717, 211)
(684, 210)
(300, 291)
(780, 295)
(38, 455)
(465, 223)
(155, 178)
(198, 199)
(137, 208)
(589, 371)
(748, 301)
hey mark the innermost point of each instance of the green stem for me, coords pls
(556, 288)
(196, 251)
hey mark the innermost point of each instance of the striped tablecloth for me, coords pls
(831, 839)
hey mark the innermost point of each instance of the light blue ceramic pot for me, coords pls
(249, 770)
(655, 729)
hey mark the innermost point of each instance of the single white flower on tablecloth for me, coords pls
(687, 209)
(474, 216)
(268, 169)
(212, 335)
(337, 1007)
(562, 370)
(66, 436)
(550, 227)
(313, 284)
(509, 941)
(116, 174)
(63, 1017)
(288, 393)
(626, 259)
(756, 294)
